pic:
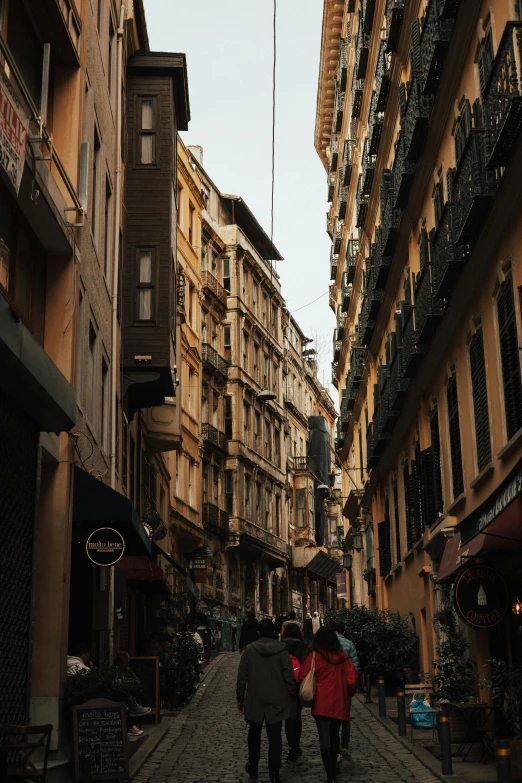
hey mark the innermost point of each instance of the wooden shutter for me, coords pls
(402, 102)
(418, 510)
(381, 533)
(429, 498)
(437, 472)
(423, 247)
(415, 52)
(387, 535)
(509, 355)
(454, 437)
(480, 399)
(397, 521)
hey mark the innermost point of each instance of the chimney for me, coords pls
(197, 153)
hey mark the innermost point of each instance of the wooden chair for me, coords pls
(18, 745)
(411, 690)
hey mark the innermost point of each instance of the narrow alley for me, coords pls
(207, 744)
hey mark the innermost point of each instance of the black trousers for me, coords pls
(294, 728)
(328, 730)
(275, 744)
(345, 735)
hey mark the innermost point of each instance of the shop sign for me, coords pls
(481, 597)
(13, 133)
(105, 546)
(341, 584)
(499, 502)
(198, 564)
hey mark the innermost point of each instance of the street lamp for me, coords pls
(357, 542)
(347, 562)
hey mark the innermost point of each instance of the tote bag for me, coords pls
(307, 691)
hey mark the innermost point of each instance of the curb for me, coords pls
(159, 732)
(422, 755)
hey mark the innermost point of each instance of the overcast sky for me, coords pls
(228, 44)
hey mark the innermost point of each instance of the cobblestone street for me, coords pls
(207, 744)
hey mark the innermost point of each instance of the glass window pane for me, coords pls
(5, 262)
(147, 116)
(145, 266)
(145, 304)
(147, 149)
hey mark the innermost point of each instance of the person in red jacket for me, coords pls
(335, 682)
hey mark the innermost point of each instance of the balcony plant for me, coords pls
(385, 641)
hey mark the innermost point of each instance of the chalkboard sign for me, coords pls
(100, 740)
(147, 671)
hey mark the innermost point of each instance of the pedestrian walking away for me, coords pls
(348, 647)
(335, 682)
(291, 617)
(298, 649)
(317, 622)
(266, 691)
(249, 632)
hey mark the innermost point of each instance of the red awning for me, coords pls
(505, 532)
(141, 569)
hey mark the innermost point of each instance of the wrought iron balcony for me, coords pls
(304, 464)
(337, 345)
(351, 258)
(346, 293)
(212, 358)
(436, 35)
(390, 220)
(211, 284)
(357, 96)
(342, 73)
(402, 175)
(381, 263)
(474, 187)
(395, 17)
(345, 411)
(343, 201)
(334, 153)
(368, 316)
(215, 517)
(347, 163)
(334, 263)
(335, 379)
(448, 260)
(338, 110)
(428, 309)
(375, 128)
(331, 186)
(214, 436)
(368, 171)
(331, 297)
(416, 120)
(449, 9)
(361, 204)
(503, 97)
(382, 79)
(413, 351)
(336, 237)
(361, 55)
(356, 368)
(340, 325)
(398, 383)
(376, 439)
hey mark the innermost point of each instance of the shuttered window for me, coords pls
(509, 356)
(480, 399)
(418, 505)
(454, 437)
(407, 505)
(437, 471)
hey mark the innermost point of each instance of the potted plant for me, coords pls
(505, 684)
(103, 682)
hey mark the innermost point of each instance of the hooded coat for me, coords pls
(297, 648)
(265, 682)
(335, 682)
(249, 632)
(348, 647)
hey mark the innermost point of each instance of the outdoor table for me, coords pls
(476, 715)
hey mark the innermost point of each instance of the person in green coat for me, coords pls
(266, 692)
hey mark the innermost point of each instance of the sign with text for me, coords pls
(13, 133)
(100, 740)
(105, 546)
(481, 597)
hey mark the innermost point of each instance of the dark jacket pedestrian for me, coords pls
(336, 681)
(249, 632)
(266, 691)
(293, 639)
(308, 630)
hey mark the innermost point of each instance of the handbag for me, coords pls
(307, 690)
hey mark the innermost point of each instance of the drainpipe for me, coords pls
(114, 293)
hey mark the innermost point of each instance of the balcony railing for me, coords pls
(346, 293)
(375, 126)
(304, 464)
(413, 351)
(381, 262)
(368, 169)
(343, 200)
(415, 120)
(338, 110)
(343, 65)
(398, 383)
(214, 436)
(211, 357)
(351, 258)
(402, 174)
(334, 262)
(334, 153)
(210, 282)
(361, 55)
(474, 187)
(340, 325)
(382, 80)
(428, 309)
(357, 96)
(335, 379)
(336, 238)
(436, 35)
(448, 259)
(449, 9)
(503, 97)
(331, 186)
(395, 17)
(337, 345)
(361, 204)
(215, 517)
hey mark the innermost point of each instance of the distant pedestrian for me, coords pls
(316, 623)
(308, 630)
(291, 617)
(336, 681)
(348, 647)
(298, 649)
(266, 692)
(249, 632)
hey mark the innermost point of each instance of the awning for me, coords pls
(96, 503)
(324, 566)
(352, 505)
(504, 533)
(494, 507)
(141, 569)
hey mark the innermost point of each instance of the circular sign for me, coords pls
(105, 546)
(481, 597)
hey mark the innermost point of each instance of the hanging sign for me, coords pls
(105, 546)
(481, 596)
(13, 133)
(341, 584)
(198, 564)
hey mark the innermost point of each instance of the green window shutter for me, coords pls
(454, 437)
(509, 356)
(480, 399)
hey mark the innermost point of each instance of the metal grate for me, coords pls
(18, 464)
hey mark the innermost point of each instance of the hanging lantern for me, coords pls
(516, 607)
(357, 542)
(347, 562)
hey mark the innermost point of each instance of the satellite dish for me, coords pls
(266, 395)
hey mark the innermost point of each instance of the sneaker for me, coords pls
(251, 770)
(134, 731)
(292, 756)
(138, 711)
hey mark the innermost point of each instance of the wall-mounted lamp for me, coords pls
(357, 542)
(323, 488)
(516, 606)
(347, 562)
(266, 395)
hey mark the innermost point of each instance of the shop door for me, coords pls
(18, 471)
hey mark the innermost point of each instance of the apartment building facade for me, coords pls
(417, 128)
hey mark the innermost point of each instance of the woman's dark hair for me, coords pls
(266, 628)
(326, 639)
(251, 614)
(292, 631)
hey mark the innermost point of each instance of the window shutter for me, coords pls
(509, 355)
(423, 247)
(398, 551)
(387, 535)
(402, 102)
(381, 533)
(416, 55)
(428, 487)
(454, 437)
(437, 473)
(418, 511)
(480, 399)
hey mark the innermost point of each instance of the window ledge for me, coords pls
(408, 555)
(397, 567)
(419, 544)
(456, 503)
(510, 445)
(388, 577)
(483, 475)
